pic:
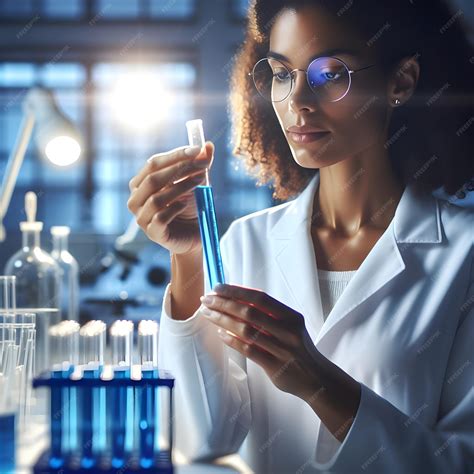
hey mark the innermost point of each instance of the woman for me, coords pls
(342, 341)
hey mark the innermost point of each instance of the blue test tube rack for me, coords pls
(57, 460)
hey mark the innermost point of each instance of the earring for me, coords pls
(397, 102)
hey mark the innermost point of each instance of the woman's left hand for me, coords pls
(269, 333)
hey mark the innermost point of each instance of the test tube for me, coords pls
(92, 337)
(121, 339)
(148, 342)
(7, 309)
(206, 212)
(64, 342)
(15, 377)
(149, 400)
(92, 342)
(7, 293)
(27, 325)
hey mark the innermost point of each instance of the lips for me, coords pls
(307, 137)
(305, 129)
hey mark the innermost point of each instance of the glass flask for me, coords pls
(69, 273)
(37, 282)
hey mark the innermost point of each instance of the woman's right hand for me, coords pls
(166, 211)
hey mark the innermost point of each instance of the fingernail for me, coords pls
(207, 299)
(192, 150)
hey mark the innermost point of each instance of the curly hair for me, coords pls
(429, 138)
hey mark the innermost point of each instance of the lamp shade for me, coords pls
(55, 135)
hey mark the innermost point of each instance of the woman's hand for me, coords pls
(269, 333)
(162, 199)
(274, 336)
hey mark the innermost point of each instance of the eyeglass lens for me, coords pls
(329, 79)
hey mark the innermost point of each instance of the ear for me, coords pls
(403, 81)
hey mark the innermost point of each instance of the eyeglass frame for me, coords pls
(349, 70)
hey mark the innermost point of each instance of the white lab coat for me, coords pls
(403, 327)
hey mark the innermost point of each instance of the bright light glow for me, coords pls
(63, 151)
(139, 101)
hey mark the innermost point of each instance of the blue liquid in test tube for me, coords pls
(149, 398)
(58, 416)
(206, 213)
(93, 399)
(64, 339)
(7, 443)
(121, 338)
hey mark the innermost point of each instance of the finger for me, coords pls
(258, 355)
(247, 332)
(251, 315)
(158, 180)
(158, 226)
(262, 301)
(159, 201)
(160, 161)
(165, 216)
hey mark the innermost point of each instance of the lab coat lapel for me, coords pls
(295, 258)
(416, 221)
(383, 263)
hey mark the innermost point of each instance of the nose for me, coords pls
(302, 96)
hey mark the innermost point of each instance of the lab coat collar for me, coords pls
(416, 221)
(416, 218)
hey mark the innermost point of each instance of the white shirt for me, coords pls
(403, 328)
(331, 286)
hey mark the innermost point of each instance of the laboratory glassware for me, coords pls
(149, 397)
(120, 406)
(69, 271)
(206, 212)
(37, 281)
(17, 332)
(93, 402)
(7, 293)
(64, 340)
(138, 439)
(7, 305)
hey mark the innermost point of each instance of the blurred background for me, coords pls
(174, 56)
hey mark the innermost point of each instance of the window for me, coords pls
(117, 150)
(120, 149)
(92, 194)
(73, 10)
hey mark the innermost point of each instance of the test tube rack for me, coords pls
(72, 393)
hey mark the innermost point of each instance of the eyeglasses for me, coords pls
(329, 78)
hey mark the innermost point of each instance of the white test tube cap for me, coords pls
(195, 133)
(196, 138)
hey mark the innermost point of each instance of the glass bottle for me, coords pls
(69, 271)
(37, 281)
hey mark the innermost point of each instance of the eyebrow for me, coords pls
(329, 52)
